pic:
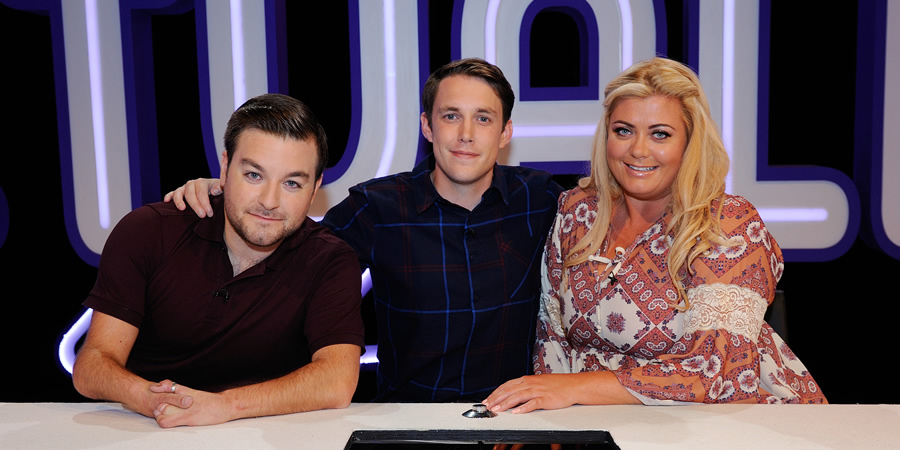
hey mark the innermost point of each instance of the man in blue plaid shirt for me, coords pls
(453, 247)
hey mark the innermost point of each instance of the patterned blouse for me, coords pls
(719, 350)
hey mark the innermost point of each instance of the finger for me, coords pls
(515, 399)
(170, 416)
(163, 387)
(216, 187)
(185, 401)
(526, 407)
(196, 194)
(499, 397)
(500, 393)
(177, 197)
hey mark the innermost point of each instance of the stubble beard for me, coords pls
(263, 236)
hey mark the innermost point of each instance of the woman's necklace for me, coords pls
(618, 259)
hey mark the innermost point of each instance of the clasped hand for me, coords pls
(185, 406)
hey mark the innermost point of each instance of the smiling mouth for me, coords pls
(264, 217)
(642, 169)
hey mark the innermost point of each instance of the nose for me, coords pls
(269, 197)
(639, 148)
(466, 131)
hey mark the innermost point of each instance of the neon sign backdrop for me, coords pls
(815, 211)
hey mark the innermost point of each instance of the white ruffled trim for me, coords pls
(738, 310)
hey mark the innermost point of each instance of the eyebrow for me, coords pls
(443, 109)
(295, 174)
(656, 125)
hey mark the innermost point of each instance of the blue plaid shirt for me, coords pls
(456, 291)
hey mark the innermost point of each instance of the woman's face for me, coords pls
(645, 143)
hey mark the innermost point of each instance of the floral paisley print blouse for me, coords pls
(719, 350)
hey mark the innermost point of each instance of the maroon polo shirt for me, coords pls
(167, 272)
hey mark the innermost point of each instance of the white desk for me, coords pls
(106, 425)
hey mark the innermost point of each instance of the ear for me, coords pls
(315, 190)
(506, 134)
(426, 127)
(223, 171)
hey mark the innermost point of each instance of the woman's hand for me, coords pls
(528, 393)
(558, 390)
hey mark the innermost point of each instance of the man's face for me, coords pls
(467, 131)
(269, 187)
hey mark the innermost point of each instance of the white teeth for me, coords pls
(641, 169)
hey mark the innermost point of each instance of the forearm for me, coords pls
(555, 391)
(325, 383)
(99, 377)
(600, 388)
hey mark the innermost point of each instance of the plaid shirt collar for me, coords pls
(426, 194)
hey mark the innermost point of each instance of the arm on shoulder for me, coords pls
(195, 193)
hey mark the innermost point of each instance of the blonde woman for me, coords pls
(655, 281)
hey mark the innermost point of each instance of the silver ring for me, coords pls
(173, 388)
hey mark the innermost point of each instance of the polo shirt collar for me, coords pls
(214, 230)
(426, 194)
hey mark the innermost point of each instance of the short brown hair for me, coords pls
(470, 67)
(280, 115)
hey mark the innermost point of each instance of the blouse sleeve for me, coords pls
(551, 350)
(731, 354)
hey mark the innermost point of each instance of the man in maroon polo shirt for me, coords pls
(253, 313)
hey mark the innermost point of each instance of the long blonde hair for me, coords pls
(700, 180)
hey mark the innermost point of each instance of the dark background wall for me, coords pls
(840, 312)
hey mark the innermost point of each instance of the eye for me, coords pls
(659, 134)
(253, 176)
(622, 131)
(450, 116)
(293, 185)
(484, 119)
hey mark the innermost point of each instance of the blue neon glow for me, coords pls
(68, 341)
(237, 53)
(528, 131)
(728, 85)
(490, 32)
(390, 90)
(97, 112)
(793, 214)
(627, 44)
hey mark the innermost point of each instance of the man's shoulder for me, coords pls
(390, 192)
(532, 177)
(152, 214)
(316, 244)
(321, 236)
(393, 182)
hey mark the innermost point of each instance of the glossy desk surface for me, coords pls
(108, 425)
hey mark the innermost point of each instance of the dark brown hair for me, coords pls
(282, 116)
(470, 67)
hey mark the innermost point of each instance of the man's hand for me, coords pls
(196, 194)
(100, 373)
(168, 392)
(204, 408)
